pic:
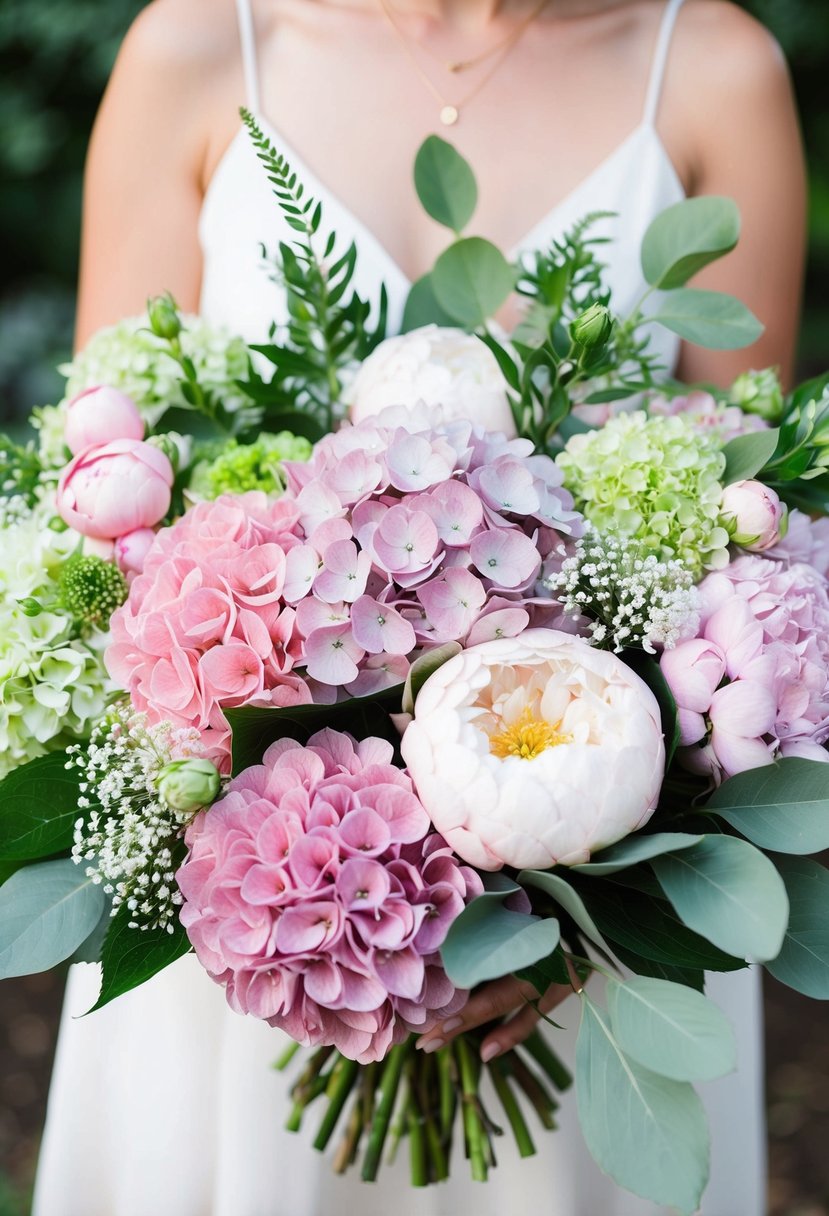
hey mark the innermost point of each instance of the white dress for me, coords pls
(164, 1103)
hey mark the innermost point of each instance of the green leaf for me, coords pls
(746, 455)
(424, 666)
(689, 977)
(445, 183)
(472, 279)
(671, 1029)
(648, 670)
(422, 307)
(255, 727)
(89, 951)
(634, 849)
(803, 963)
(729, 892)
(130, 957)
(46, 911)
(547, 971)
(38, 808)
(684, 238)
(489, 940)
(783, 806)
(298, 422)
(569, 899)
(708, 318)
(647, 1132)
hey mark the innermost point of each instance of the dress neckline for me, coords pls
(364, 235)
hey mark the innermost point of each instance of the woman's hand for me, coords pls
(496, 1000)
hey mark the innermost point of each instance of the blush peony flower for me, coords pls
(98, 415)
(116, 488)
(316, 895)
(437, 366)
(535, 751)
(753, 514)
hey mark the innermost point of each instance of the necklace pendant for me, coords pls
(455, 67)
(449, 115)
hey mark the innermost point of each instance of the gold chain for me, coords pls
(450, 112)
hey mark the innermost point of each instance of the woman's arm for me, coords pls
(146, 161)
(729, 88)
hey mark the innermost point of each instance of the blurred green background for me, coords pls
(55, 56)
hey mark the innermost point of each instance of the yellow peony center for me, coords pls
(527, 738)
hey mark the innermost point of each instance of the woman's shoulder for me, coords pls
(186, 38)
(725, 46)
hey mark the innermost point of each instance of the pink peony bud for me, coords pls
(110, 490)
(132, 549)
(753, 514)
(99, 415)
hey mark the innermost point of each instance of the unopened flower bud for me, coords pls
(753, 515)
(163, 315)
(758, 393)
(592, 328)
(177, 448)
(188, 785)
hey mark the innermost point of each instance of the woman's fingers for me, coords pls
(515, 1031)
(494, 1001)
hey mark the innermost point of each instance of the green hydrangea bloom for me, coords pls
(90, 589)
(250, 466)
(654, 479)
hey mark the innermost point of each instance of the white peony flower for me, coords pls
(535, 751)
(438, 366)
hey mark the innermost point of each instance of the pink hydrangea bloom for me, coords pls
(707, 415)
(755, 682)
(316, 894)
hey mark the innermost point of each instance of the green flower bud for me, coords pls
(164, 319)
(592, 328)
(174, 446)
(90, 589)
(188, 785)
(758, 393)
(30, 606)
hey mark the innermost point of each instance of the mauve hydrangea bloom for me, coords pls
(717, 420)
(315, 894)
(755, 683)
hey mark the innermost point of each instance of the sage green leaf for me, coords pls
(445, 183)
(570, 900)
(424, 666)
(782, 806)
(708, 318)
(729, 892)
(130, 957)
(684, 238)
(422, 307)
(671, 1029)
(803, 963)
(472, 279)
(39, 804)
(746, 455)
(647, 1132)
(635, 849)
(489, 940)
(46, 911)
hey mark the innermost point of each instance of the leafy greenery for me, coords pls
(40, 806)
(130, 957)
(46, 911)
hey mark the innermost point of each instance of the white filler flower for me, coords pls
(535, 751)
(438, 366)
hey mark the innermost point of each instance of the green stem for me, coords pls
(423, 1076)
(417, 1148)
(542, 1100)
(512, 1110)
(284, 1060)
(347, 1147)
(473, 1126)
(311, 1071)
(544, 1056)
(309, 1094)
(343, 1075)
(397, 1127)
(382, 1116)
(448, 1085)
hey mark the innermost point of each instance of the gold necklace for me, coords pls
(450, 112)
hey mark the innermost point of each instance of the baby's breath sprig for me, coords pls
(627, 595)
(128, 836)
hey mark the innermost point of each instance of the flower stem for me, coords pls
(498, 1071)
(542, 1100)
(284, 1060)
(341, 1082)
(347, 1148)
(397, 1127)
(448, 1084)
(544, 1056)
(382, 1116)
(472, 1122)
(417, 1147)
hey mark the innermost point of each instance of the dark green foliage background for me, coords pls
(55, 56)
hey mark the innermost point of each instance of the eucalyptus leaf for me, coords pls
(489, 940)
(471, 280)
(634, 849)
(130, 957)
(671, 1029)
(647, 1132)
(684, 238)
(422, 307)
(803, 962)
(708, 318)
(689, 977)
(39, 808)
(569, 899)
(445, 183)
(746, 455)
(423, 667)
(782, 806)
(46, 911)
(729, 892)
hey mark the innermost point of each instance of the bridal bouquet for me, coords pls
(372, 670)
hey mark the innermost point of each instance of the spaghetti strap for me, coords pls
(660, 59)
(247, 38)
